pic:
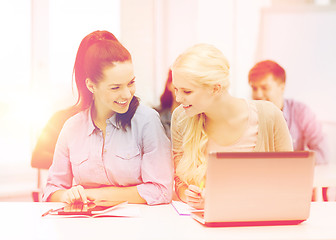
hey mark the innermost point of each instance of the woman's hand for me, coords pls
(75, 194)
(195, 197)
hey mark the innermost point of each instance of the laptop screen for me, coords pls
(258, 186)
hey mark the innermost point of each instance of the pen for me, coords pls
(49, 211)
(201, 185)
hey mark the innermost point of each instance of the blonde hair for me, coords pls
(203, 65)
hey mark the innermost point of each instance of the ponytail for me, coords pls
(98, 50)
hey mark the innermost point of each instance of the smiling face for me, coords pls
(114, 92)
(194, 99)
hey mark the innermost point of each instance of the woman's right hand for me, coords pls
(194, 197)
(75, 194)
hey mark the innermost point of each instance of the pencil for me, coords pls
(201, 185)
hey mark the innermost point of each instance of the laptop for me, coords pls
(257, 188)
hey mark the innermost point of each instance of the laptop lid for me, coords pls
(258, 188)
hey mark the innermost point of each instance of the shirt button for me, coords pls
(104, 150)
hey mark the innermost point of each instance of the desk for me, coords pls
(22, 220)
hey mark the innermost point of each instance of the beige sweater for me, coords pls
(273, 133)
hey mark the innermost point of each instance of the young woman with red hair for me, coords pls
(115, 148)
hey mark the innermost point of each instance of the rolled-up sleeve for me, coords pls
(60, 173)
(157, 164)
(312, 134)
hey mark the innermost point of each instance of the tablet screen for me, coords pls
(91, 208)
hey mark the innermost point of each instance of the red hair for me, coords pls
(167, 97)
(98, 50)
(264, 68)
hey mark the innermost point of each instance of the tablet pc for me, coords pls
(94, 208)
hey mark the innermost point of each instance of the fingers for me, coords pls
(75, 194)
(194, 197)
(76, 207)
(195, 189)
(194, 193)
(82, 194)
(90, 199)
(90, 195)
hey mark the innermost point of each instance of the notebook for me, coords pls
(257, 188)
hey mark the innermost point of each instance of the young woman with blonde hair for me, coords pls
(211, 119)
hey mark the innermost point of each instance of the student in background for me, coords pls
(115, 148)
(210, 119)
(267, 80)
(167, 104)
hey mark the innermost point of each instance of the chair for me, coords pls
(43, 152)
(325, 175)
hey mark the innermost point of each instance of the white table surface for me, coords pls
(22, 220)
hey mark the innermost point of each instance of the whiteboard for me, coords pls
(302, 39)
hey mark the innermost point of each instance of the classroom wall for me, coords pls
(166, 28)
(154, 38)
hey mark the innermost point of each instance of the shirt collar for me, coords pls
(113, 121)
(92, 127)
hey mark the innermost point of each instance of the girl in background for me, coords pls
(167, 104)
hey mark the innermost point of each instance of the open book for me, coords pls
(94, 209)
